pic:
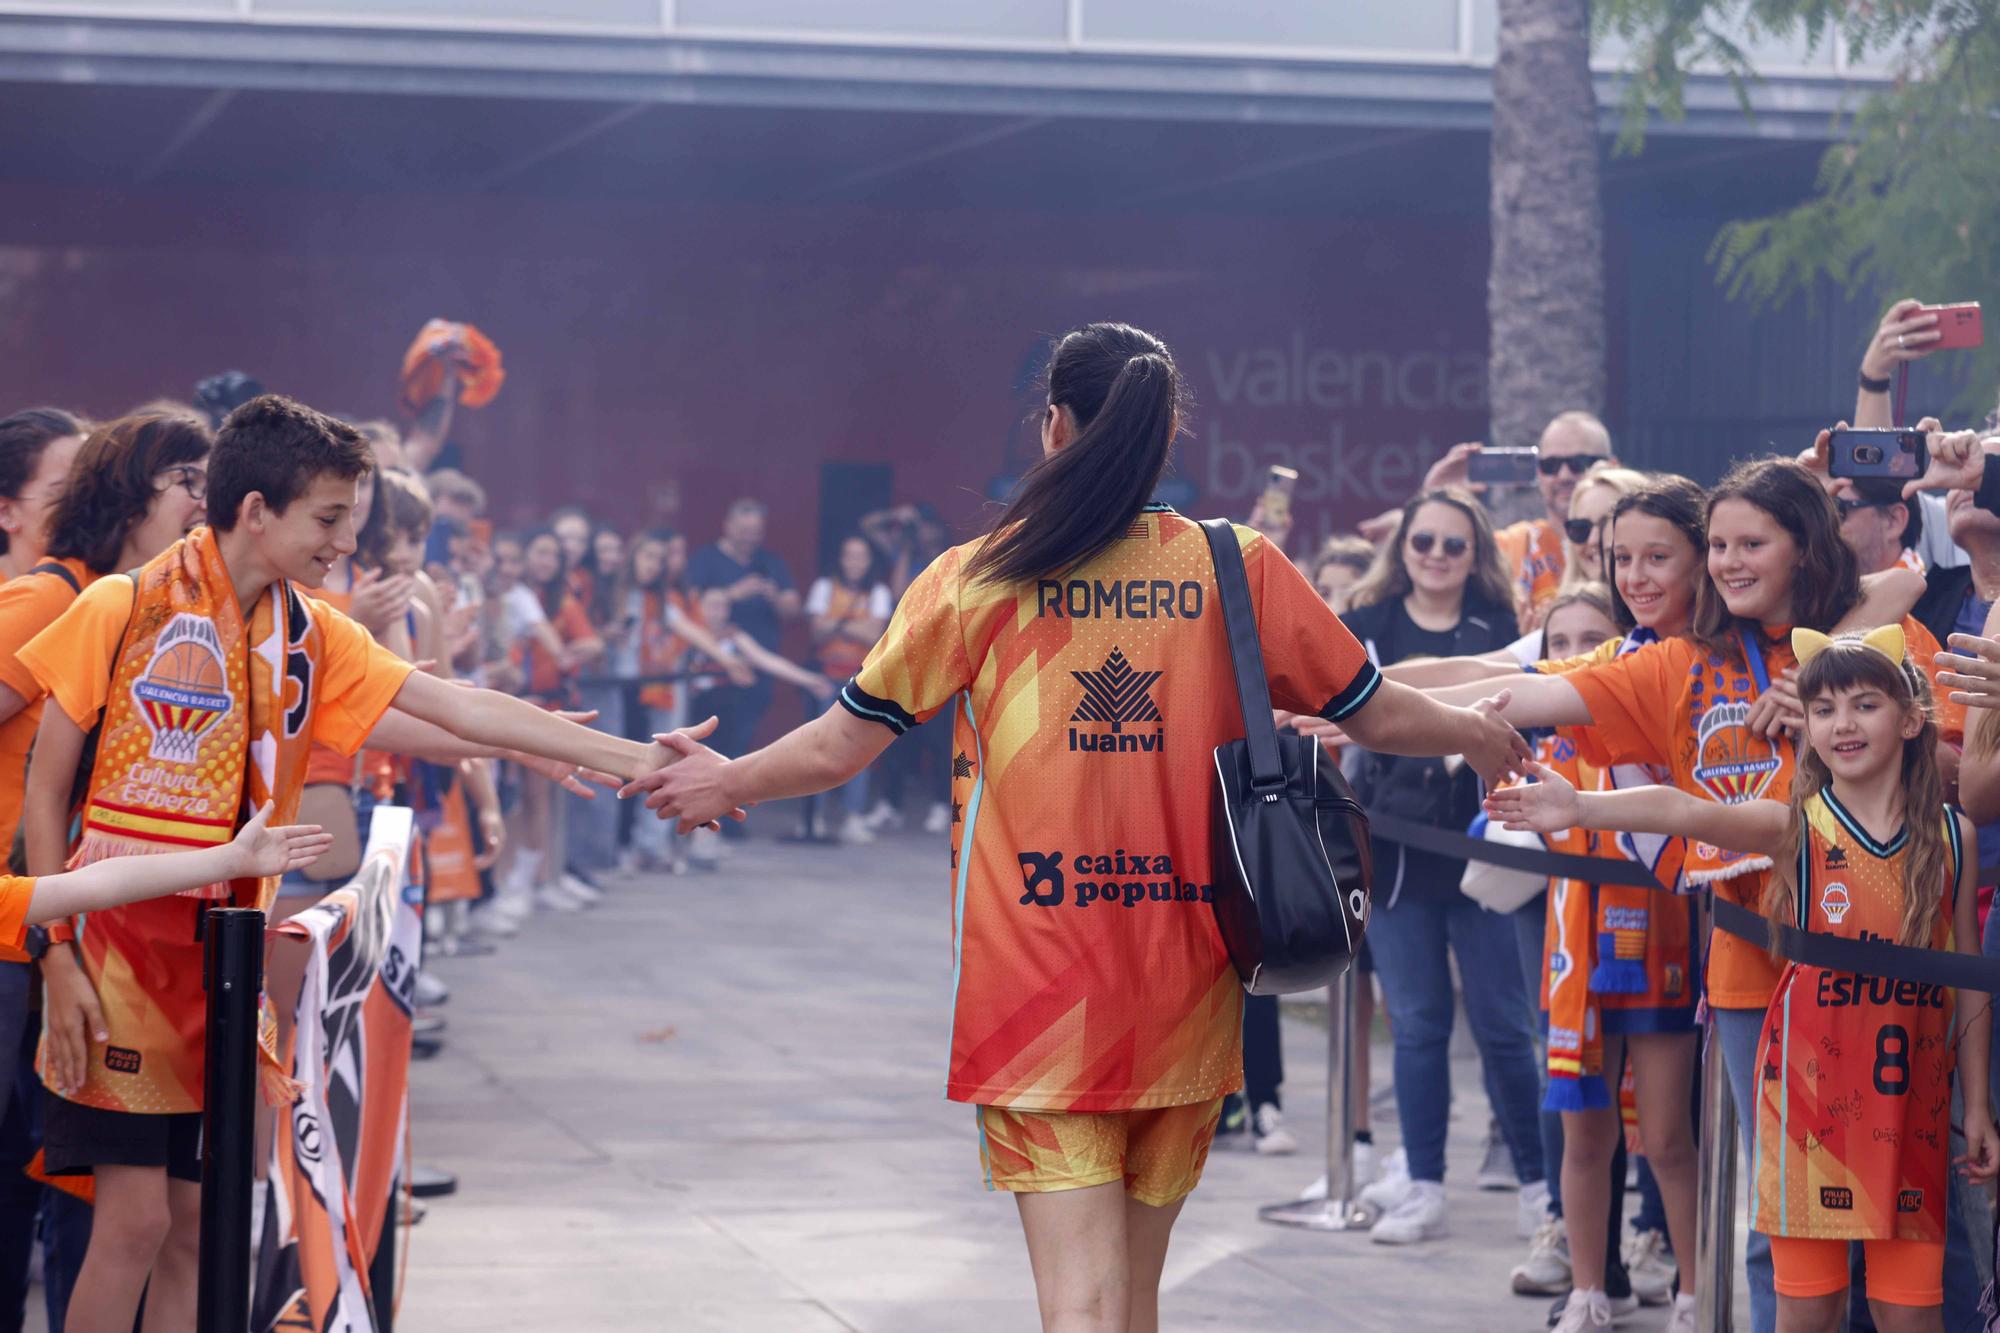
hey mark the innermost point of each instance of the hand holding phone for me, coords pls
(1502, 467)
(1893, 455)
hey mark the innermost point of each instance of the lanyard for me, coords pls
(1753, 653)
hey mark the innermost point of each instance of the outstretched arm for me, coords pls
(1534, 700)
(256, 851)
(1551, 805)
(502, 722)
(1433, 673)
(1399, 720)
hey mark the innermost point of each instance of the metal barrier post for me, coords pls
(1337, 1210)
(1715, 1221)
(235, 977)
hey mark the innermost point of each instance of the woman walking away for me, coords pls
(1096, 1034)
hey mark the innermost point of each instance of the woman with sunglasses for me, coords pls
(1439, 590)
(1590, 506)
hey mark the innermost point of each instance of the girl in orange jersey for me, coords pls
(36, 447)
(1095, 1013)
(1693, 706)
(1853, 1105)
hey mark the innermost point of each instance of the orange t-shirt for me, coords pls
(1677, 706)
(143, 958)
(28, 605)
(1533, 553)
(1089, 974)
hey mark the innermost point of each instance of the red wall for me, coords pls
(731, 352)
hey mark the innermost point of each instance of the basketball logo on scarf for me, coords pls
(184, 690)
(1730, 761)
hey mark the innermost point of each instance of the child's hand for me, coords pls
(261, 850)
(1982, 1148)
(1548, 805)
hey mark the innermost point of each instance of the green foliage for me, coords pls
(1906, 201)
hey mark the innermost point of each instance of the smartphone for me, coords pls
(1279, 484)
(1958, 325)
(1502, 467)
(1897, 454)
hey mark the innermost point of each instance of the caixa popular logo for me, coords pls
(1123, 878)
(1116, 696)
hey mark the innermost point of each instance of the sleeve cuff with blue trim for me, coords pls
(871, 709)
(1358, 692)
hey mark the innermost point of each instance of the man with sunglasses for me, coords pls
(1532, 549)
(1878, 526)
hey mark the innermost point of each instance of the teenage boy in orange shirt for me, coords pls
(203, 681)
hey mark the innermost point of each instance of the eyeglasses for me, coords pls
(1578, 464)
(1850, 507)
(192, 479)
(1454, 547)
(1582, 531)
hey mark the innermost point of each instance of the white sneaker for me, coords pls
(1496, 1168)
(939, 819)
(1682, 1319)
(1391, 1187)
(1586, 1312)
(884, 817)
(582, 892)
(1313, 1192)
(704, 849)
(1420, 1216)
(553, 899)
(856, 833)
(1531, 1209)
(1364, 1167)
(1651, 1269)
(1267, 1127)
(1545, 1272)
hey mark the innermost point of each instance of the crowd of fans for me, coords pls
(642, 631)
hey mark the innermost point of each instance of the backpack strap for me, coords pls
(61, 571)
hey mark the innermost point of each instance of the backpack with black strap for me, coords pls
(1290, 850)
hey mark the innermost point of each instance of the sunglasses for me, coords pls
(1454, 547)
(1582, 531)
(1850, 507)
(1578, 464)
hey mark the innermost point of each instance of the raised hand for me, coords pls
(1971, 671)
(1957, 462)
(1902, 336)
(260, 850)
(1548, 805)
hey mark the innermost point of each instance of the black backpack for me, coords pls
(1290, 843)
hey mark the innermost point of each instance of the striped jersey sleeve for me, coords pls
(920, 662)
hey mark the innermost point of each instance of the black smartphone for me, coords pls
(1898, 455)
(1502, 467)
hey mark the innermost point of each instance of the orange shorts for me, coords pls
(1900, 1272)
(1158, 1153)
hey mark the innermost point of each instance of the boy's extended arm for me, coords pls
(502, 722)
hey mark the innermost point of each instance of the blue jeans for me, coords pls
(1736, 1032)
(1409, 941)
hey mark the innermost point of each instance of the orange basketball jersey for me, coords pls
(1854, 1088)
(1089, 975)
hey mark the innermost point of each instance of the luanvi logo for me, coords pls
(1117, 696)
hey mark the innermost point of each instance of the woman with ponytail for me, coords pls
(1080, 647)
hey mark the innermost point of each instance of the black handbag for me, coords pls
(1290, 847)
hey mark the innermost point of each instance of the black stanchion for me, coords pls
(235, 977)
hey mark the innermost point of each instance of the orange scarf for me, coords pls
(189, 702)
(1576, 1026)
(207, 718)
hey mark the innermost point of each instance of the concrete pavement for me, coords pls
(714, 1102)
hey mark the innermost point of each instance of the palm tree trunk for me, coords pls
(1545, 292)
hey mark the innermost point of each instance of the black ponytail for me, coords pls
(1121, 386)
